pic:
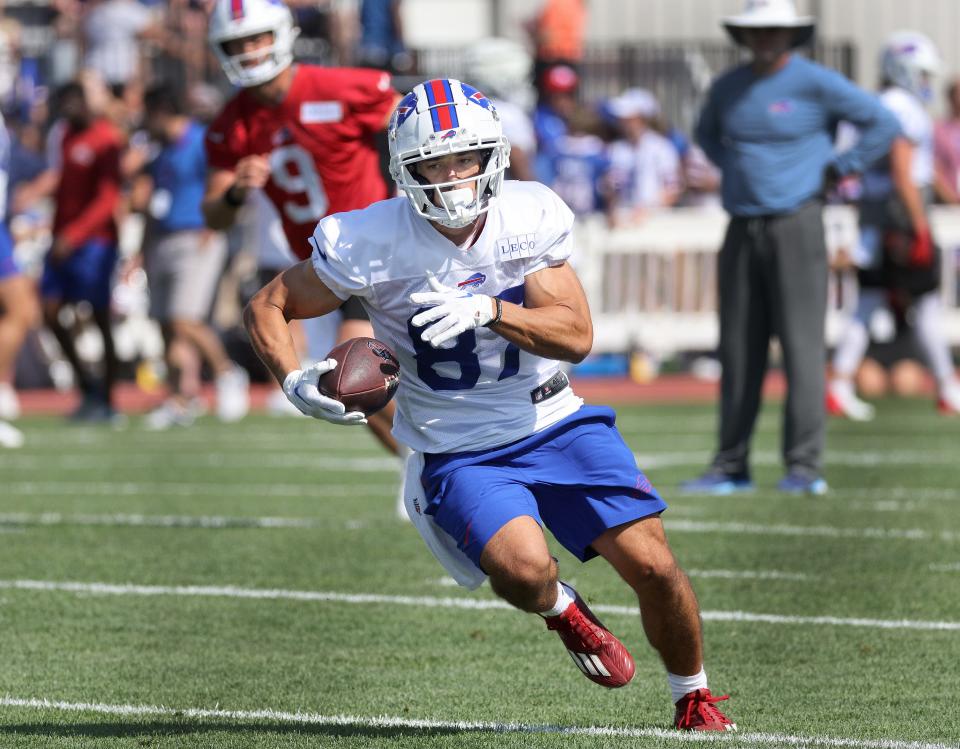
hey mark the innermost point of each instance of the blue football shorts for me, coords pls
(85, 276)
(577, 478)
(8, 266)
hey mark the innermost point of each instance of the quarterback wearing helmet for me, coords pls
(302, 133)
(466, 278)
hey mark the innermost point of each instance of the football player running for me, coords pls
(466, 277)
(893, 211)
(304, 134)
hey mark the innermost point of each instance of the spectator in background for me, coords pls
(18, 309)
(183, 261)
(899, 264)
(768, 125)
(502, 70)
(113, 31)
(701, 178)
(79, 266)
(581, 165)
(644, 165)
(558, 101)
(557, 32)
(946, 148)
(381, 37)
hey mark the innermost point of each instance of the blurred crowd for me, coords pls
(616, 157)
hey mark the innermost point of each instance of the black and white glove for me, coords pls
(300, 387)
(451, 311)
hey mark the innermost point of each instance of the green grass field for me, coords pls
(196, 588)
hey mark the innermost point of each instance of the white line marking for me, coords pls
(155, 521)
(952, 567)
(435, 602)
(189, 489)
(316, 719)
(827, 531)
(749, 574)
(873, 459)
(258, 460)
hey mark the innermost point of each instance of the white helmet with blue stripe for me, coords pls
(910, 60)
(238, 19)
(441, 117)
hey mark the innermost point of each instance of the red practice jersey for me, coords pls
(89, 187)
(320, 142)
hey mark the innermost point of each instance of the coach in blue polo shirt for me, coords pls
(769, 127)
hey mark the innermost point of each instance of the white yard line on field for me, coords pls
(156, 521)
(436, 602)
(190, 489)
(873, 459)
(415, 724)
(672, 523)
(825, 531)
(258, 460)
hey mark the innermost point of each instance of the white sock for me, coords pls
(842, 388)
(565, 597)
(681, 685)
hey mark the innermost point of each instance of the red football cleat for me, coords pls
(697, 711)
(598, 654)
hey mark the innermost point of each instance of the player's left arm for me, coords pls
(554, 321)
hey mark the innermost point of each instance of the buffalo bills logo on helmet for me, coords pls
(475, 96)
(475, 280)
(406, 107)
(448, 135)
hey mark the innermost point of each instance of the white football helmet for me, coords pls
(909, 60)
(236, 19)
(500, 67)
(441, 117)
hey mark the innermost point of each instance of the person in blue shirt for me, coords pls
(183, 261)
(769, 126)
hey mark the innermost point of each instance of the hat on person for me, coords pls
(560, 79)
(770, 14)
(634, 102)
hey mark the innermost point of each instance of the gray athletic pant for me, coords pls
(772, 277)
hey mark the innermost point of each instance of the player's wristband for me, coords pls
(496, 318)
(231, 199)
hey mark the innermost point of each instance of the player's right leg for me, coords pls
(19, 312)
(670, 614)
(842, 399)
(496, 522)
(929, 329)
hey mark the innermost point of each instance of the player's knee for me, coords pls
(527, 581)
(654, 571)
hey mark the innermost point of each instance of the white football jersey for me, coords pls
(476, 392)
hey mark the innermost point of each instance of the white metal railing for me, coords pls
(653, 286)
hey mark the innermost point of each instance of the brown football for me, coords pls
(366, 376)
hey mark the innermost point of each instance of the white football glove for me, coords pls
(300, 387)
(452, 312)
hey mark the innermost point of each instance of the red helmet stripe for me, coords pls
(440, 96)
